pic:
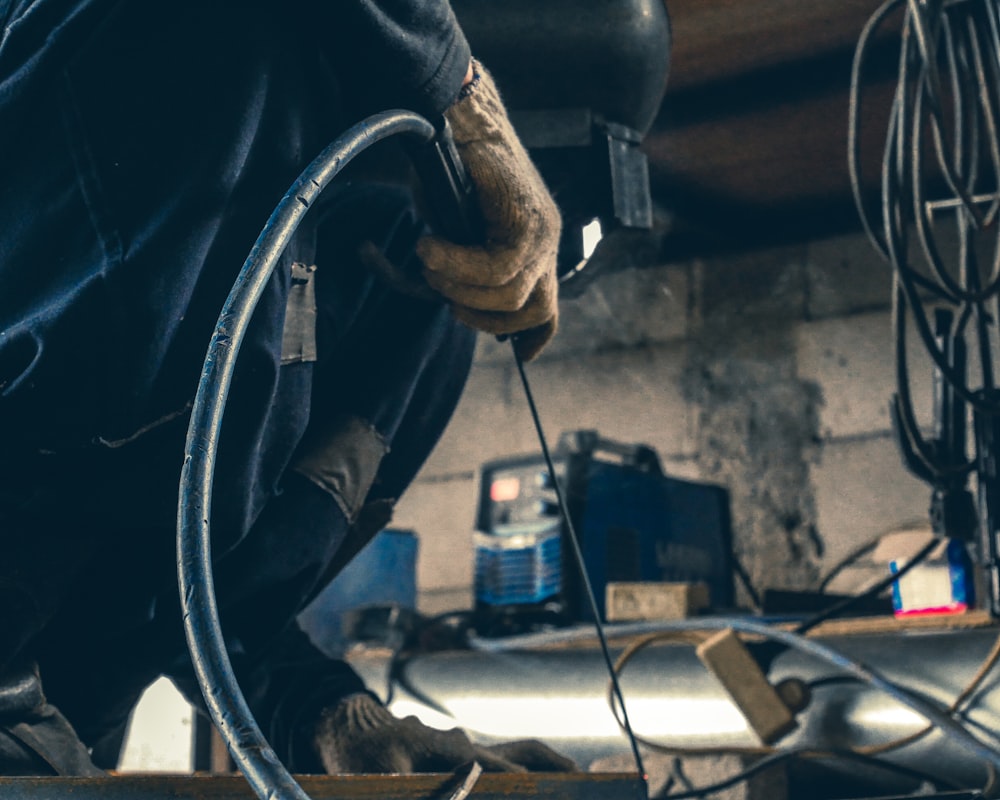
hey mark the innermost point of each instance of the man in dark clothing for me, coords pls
(142, 147)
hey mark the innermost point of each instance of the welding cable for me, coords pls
(692, 638)
(581, 569)
(847, 561)
(764, 653)
(932, 712)
(867, 215)
(959, 34)
(872, 591)
(905, 138)
(773, 755)
(962, 699)
(225, 701)
(860, 552)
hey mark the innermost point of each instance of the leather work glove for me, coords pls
(508, 284)
(360, 736)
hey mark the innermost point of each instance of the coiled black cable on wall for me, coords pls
(936, 223)
(225, 701)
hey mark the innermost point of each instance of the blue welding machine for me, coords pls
(633, 522)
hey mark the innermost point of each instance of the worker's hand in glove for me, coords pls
(506, 284)
(360, 736)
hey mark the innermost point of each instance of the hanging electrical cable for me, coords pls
(938, 200)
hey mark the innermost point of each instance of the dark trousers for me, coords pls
(89, 565)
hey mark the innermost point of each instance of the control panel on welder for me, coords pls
(521, 496)
(633, 523)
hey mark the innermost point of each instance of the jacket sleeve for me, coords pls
(395, 53)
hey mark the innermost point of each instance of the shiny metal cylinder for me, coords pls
(559, 694)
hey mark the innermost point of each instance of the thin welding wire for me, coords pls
(872, 591)
(848, 560)
(581, 565)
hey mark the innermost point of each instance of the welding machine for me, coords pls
(633, 523)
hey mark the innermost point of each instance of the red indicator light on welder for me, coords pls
(505, 489)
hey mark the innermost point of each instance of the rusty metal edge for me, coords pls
(490, 786)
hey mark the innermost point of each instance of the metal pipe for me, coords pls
(559, 694)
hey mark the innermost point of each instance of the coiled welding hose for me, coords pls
(226, 704)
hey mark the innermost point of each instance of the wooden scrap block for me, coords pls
(741, 676)
(652, 600)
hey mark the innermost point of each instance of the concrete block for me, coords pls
(431, 602)
(852, 362)
(764, 285)
(490, 421)
(442, 514)
(845, 275)
(633, 396)
(621, 309)
(861, 492)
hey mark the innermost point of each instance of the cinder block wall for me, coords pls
(769, 373)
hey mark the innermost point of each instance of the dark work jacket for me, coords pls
(143, 145)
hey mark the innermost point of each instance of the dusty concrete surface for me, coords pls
(673, 773)
(757, 419)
